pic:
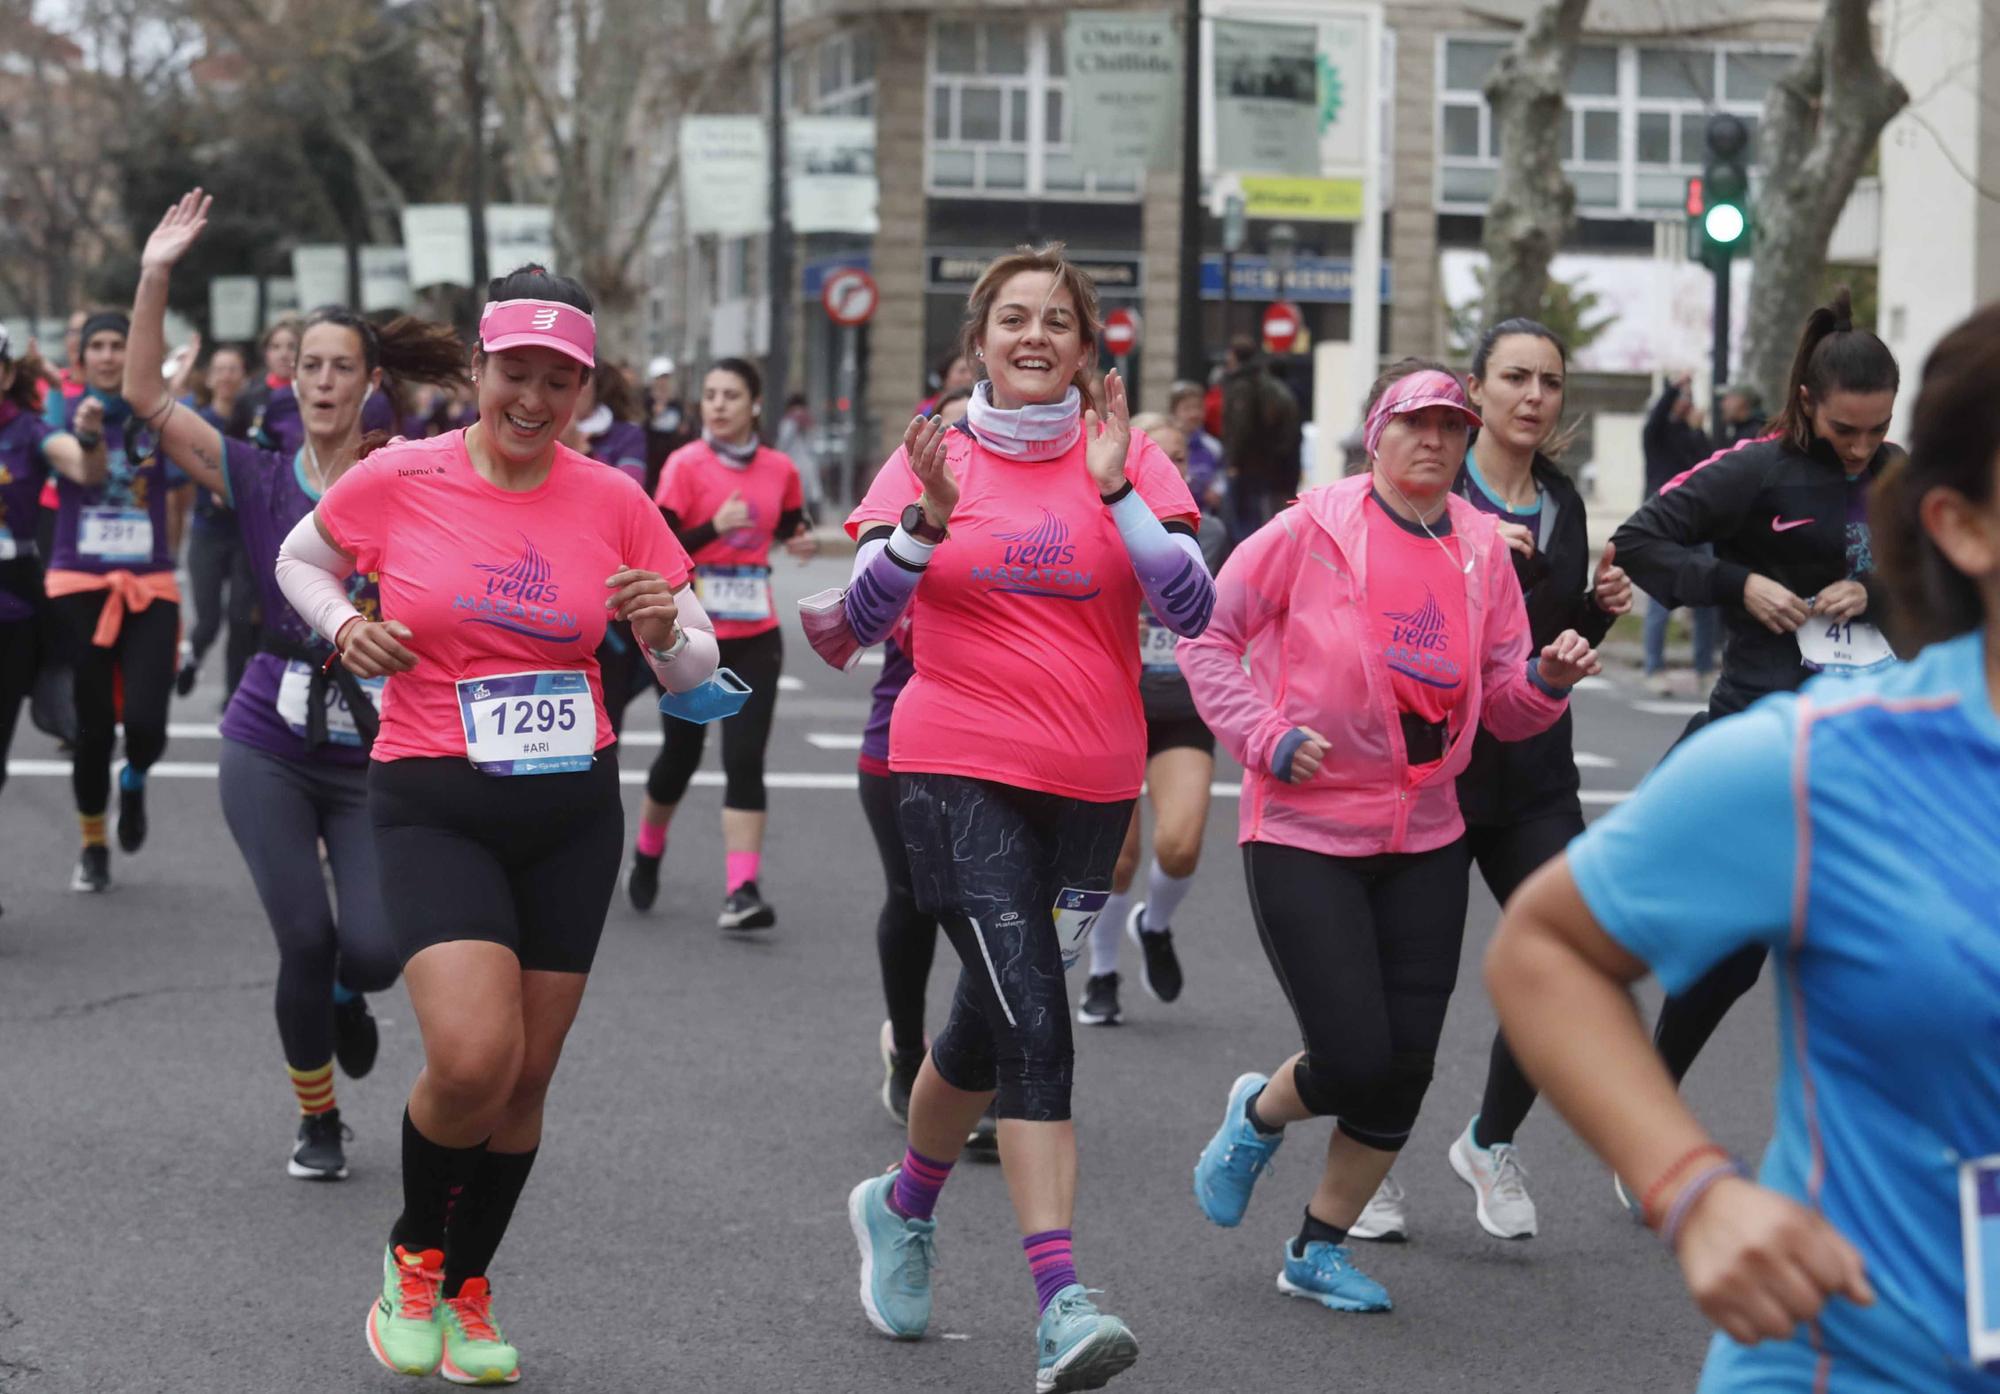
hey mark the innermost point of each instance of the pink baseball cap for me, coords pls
(1417, 392)
(511, 324)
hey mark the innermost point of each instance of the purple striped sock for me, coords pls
(918, 1182)
(1049, 1259)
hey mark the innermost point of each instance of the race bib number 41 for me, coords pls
(529, 723)
(1843, 646)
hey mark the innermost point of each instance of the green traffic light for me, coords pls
(1724, 223)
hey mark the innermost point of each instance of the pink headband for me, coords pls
(1416, 392)
(510, 324)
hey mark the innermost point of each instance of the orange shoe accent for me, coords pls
(421, 1279)
(474, 1309)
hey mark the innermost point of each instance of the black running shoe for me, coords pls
(318, 1155)
(745, 909)
(131, 818)
(983, 1142)
(356, 1040)
(899, 1077)
(190, 669)
(1100, 1001)
(644, 883)
(93, 870)
(1159, 966)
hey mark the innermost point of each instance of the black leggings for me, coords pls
(144, 657)
(758, 660)
(1507, 856)
(1366, 949)
(217, 558)
(280, 811)
(992, 862)
(17, 679)
(905, 937)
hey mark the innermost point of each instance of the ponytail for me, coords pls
(406, 349)
(25, 391)
(1833, 356)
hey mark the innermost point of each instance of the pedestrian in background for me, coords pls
(1675, 443)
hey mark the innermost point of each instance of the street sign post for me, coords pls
(1282, 323)
(850, 298)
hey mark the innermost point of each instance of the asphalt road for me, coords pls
(685, 1226)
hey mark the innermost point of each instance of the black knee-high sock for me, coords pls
(430, 1173)
(1316, 1230)
(1508, 1097)
(479, 1219)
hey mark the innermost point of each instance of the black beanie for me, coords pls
(101, 321)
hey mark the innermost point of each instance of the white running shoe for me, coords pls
(1499, 1186)
(1383, 1219)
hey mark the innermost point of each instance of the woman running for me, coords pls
(1519, 798)
(1847, 829)
(1383, 612)
(1791, 565)
(215, 555)
(1028, 535)
(295, 734)
(500, 555)
(728, 497)
(1180, 762)
(112, 590)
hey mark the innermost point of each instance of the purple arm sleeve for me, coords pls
(884, 582)
(1169, 566)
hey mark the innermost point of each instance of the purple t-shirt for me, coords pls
(897, 670)
(269, 494)
(283, 429)
(622, 445)
(23, 471)
(121, 524)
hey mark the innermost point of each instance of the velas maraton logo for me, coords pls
(520, 596)
(1039, 560)
(1417, 642)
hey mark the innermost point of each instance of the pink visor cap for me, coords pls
(550, 324)
(1417, 392)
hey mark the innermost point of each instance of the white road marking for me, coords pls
(1586, 761)
(1670, 708)
(829, 740)
(788, 683)
(1595, 685)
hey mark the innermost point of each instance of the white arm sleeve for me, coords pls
(313, 575)
(695, 664)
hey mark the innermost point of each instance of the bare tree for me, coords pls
(1534, 204)
(1822, 120)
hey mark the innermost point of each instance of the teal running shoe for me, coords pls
(1229, 1166)
(1326, 1274)
(404, 1331)
(897, 1256)
(1079, 1347)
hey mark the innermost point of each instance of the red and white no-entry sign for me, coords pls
(1121, 332)
(1281, 326)
(850, 296)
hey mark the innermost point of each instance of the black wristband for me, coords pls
(1123, 490)
(89, 440)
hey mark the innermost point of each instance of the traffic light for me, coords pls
(1724, 190)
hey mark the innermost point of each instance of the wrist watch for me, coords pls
(918, 524)
(90, 440)
(673, 650)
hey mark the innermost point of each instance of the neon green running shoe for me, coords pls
(474, 1350)
(404, 1330)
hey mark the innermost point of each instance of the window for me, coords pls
(999, 112)
(843, 72)
(1636, 124)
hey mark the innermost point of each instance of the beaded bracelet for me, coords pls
(1665, 1178)
(1698, 1186)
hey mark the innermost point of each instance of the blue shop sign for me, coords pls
(1312, 280)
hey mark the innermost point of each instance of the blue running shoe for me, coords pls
(897, 1256)
(1228, 1167)
(1078, 1346)
(1326, 1274)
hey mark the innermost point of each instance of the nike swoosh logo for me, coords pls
(1780, 525)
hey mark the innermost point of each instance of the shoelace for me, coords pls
(1510, 1178)
(1075, 1304)
(419, 1288)
(318, 1131)
(915, 1250)
(475, 1317)
(1259, 1161)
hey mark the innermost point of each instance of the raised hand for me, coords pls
(645, 600)
(1108, 439)
(924, 444)
(1569, 660)
(178, 229)
(1612, 588)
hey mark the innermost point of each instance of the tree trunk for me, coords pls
(1821, 122)
(1533, 204)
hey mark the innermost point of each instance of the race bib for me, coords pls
(529, 723)
(734, 592)
(1076, 912)
(1156, 646)
(295, 699)
(115, 534)
(1843, 646)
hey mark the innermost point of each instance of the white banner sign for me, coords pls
(726, 159)
(320, 269)
(1125, 104)
(281, 298)
(385, 279)
(1267, 105)
(232, 308)
(1343, 92)
(831, 160)
(518, 233)
(438, 240)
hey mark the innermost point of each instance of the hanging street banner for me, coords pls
(516, 234)
(281, 298)
(232, 308)
(385, 279)
(725, 169)
(831, 164)
(438, 240)
(320, 268)
(1125, 93)
(1343, 93)
(1267, 102)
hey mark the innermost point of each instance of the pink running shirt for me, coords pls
(489, 581)
(1027, 674)
(1416, 615)
(733, 573)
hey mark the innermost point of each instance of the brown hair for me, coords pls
(30, 372)
(289, 322)
(406, 349)
(1954, 444)
(613, 388)
(1051, 259)
(1833, 356)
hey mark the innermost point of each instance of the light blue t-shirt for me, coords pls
(1854, 828)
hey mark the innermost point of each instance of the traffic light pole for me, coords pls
(1720, 354)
